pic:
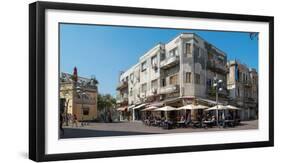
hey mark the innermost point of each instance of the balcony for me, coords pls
(169, 62)
(122, 85)
(220, 68)
(121, 98)
(247, 83)
(170, 89)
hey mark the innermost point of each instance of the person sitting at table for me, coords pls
(182, 118)
(213, 120)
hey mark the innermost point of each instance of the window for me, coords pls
(188, 48)
(131, 92)
(188, 77)
(174, 52)
(143, 66)
(238, 92)
(197, 78)
(154, 60)
(132, 77)
(196, 51)
(85, 111)
(85, 96)
(143, 87)
(162, 56)
(163, 82)
(173, 79)
(154, 84)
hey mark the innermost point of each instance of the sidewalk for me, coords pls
(138, 128)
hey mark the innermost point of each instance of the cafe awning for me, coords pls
(150, 108)
(122, 108)
(166, 108)
(139, 106)
(131, 107)
(192, 107)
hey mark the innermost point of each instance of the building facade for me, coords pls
(177, 73)
(79, 96)
(242, 83)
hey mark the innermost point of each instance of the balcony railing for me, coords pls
(168, 62)
(169, 89)
(122, 85)
(121, 98)
(221, 68)
(246, 83)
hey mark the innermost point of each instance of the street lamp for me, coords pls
(218, 86)
(81, 92)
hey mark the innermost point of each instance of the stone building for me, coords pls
(242, 83)
(79, 96)
(176, 73)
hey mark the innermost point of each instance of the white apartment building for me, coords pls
(176, 73)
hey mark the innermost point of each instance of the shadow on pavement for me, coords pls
(84, 133)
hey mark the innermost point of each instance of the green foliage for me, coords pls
(106, 102)
(212, 91)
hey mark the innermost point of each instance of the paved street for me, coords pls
(138, 128)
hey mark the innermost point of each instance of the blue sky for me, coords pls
(104, 51)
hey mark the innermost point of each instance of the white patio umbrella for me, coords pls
(150, 108)
(233, 108)
(230, 107)
(217, 107)
(166, 109)
(192, 107)
(223, 107)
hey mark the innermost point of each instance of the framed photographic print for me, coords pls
(108, 81)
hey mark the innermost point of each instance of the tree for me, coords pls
(94, 81)
(106, 104)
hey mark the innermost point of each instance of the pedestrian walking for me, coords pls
(75, 121)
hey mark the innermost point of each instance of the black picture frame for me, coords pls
(37, 80)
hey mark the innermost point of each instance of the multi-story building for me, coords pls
(242, 83)
(79, 96)
(176, 73)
